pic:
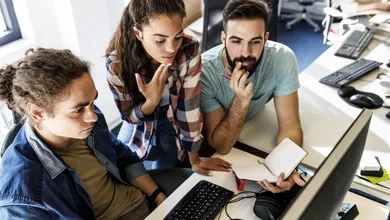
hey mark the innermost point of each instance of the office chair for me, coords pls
(9, 138)
(301, 10)
(213, 24)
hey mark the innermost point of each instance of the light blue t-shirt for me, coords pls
(276, 75)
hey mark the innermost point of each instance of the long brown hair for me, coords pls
(40, 78)
(129, 50)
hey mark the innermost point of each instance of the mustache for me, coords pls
(243, 59)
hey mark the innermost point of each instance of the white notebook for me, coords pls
(284, 158)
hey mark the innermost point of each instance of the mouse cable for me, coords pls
(233, 199)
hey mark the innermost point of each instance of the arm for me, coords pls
(146, 184)
(287, 110)
(221, 130)
(152, 92)
(132, 115)
(190, 119)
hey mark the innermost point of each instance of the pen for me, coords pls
(226, 76)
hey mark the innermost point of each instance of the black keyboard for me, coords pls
(203, 201)
(355, 44)
(350, 72)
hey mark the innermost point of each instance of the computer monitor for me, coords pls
(325, 191)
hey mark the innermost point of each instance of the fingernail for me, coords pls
(169, 64)
(210, 174)
(136, 75)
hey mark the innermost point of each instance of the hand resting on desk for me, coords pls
(282, 185)
(203, 166)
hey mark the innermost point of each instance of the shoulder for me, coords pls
(277, 50)
(21, 171)
(112, 63)
(212, 55)
(189, 47)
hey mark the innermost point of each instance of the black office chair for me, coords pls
(9, 138)
(213, 24)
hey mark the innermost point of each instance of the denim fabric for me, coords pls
(35, 182)
(165, 151)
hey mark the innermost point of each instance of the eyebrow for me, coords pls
(80, 105)
(238, 38)
(162, 35)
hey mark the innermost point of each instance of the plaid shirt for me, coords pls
(184, 102)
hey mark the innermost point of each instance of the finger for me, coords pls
(237, 67)
(164, 72)
(249, 88)
(223, 162)
(262, 185)
(213, 166)
(272, 188)
(140, 84)
(235, 79)
(157, 74)
(201, 171)
(242, 81)
(297, 179)
(280, 179)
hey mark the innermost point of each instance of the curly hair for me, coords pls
(40, 78)
(129, 50)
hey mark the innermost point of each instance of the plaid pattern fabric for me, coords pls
(184, 102)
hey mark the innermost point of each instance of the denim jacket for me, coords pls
(35, 183)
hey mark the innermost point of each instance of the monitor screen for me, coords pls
(323, 194)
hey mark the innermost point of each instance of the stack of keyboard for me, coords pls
(355, 44)
(350, 72)
(203, 201)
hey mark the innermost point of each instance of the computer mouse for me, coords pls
(363, 101)
(345, 91)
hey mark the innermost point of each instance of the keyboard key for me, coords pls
(355, 44)
(203, 201)
(350, 72)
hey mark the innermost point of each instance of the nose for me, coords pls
(246, 50)
(171, 47)
(90, 116)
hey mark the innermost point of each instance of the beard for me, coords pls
(251, 60)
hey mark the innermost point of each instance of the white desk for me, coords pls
(325, 116)
(367, 208)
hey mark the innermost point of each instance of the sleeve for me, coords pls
(127, 161)
(287, 81)
(24, 212)
(208, 101)
(188, 114)
(115, 83)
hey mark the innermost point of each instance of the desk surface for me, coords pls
(367, 208)
(324, 116)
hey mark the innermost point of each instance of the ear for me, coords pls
(266, 36)
(223, 37)
(36, 113)
(137, 33)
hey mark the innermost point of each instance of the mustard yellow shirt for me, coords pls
(110, 199)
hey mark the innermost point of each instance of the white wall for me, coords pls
(84, 26)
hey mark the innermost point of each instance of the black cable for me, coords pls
(232, 200)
